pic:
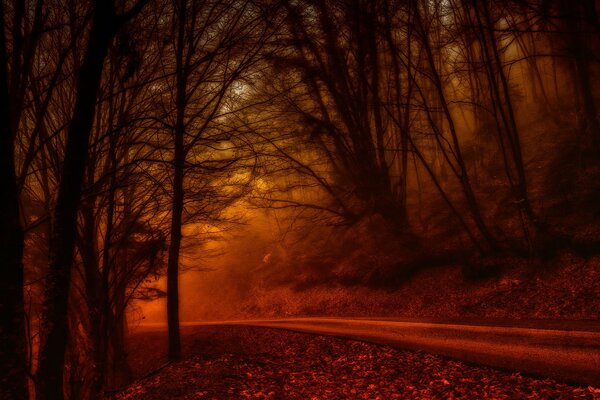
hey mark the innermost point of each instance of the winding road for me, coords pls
(563, 350)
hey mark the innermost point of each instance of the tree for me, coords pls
(105, 24)
(13, 383)
(15, 75)
(214, 44)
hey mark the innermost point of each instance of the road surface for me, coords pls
(568, 351)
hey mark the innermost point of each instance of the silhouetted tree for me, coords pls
(13, 381)
(214, 44)
(105, 24)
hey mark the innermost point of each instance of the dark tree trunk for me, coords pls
(13, 377)
(578, 18)
(173, 262)
(49, 383)
(177, 202)
(104, 305)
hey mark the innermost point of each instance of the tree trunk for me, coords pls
(178, 193)
(49, 384)
(120, 369)
(581, 49)
(88, 249)
(13, 377)
(174, 248)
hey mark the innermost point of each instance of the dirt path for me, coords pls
(563, 350)
(233, 362)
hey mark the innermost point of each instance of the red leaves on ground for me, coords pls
(258, 363)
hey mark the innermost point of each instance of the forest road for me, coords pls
(563, 350)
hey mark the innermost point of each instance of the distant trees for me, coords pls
(577, 26)
(338, 53)
(387, 92)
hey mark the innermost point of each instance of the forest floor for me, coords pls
(260, 363)
(567, 287)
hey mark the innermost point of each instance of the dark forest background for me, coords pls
(374, 138)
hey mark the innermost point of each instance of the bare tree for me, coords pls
(214, 44)
(13, 383)
(105, 24)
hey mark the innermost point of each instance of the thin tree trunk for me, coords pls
(177, 201)
(579, 45)
(120, 369)
(88, 248)
(512, 129)
(461, 173)
(174, 248)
